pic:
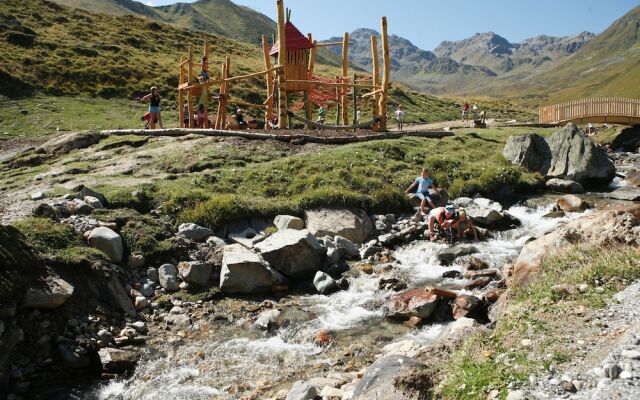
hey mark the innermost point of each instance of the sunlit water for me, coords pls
(220, 360)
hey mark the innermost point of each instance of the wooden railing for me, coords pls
(608, 109)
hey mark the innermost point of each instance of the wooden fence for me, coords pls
(607, 109)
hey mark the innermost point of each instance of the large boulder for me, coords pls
(353, 224)
(244, 272)
(567, 154)
(530, 151)
(607, 227)
(48, 295)
(65, 143)
(440, 197)
(119, 296)
(107, 241)
(295, 253)
(575, 157)
(379, 380)
(489, 214)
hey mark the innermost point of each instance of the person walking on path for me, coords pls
(399, 117)
(423, 183)
(465, 111)
(153, 99)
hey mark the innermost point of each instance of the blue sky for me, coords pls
(427, 23)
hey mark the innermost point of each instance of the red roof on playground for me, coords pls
(295, 40)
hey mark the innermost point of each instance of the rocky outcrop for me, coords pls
(353, 224)
(378, 382)
(295, 253)
(107, 241)
(618, 225)
(567, 154)
(244, 272)
(628, 193)
(72, 141)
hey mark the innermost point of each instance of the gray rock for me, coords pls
(530, 151)
(446, 256)
(37, 196)
(248, 237)
(167, 276)
(136, 260)
(353, 224)
(463, 201)
(88, 192)
(628, 193)
(381, 226)
(324, 284)
(216, 241)
(147, 290)
(288, 222)
(93, 202)
(350, 249)
(105, 336)
(119, 295)
(195, 272)
(334, 255)
(378, 380)
(295, 253)
(152, 274)
(302, 391)
(194, 232)
(244, 272)
(107, 241)
(564, 186)
(118, 360)
(47, 295)
(81, 207)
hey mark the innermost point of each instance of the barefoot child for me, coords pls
(205, 69)
(424, 183)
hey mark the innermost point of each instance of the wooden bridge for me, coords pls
(613, 110)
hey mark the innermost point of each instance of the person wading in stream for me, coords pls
(442, 216)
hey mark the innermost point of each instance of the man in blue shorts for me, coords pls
(423, 183)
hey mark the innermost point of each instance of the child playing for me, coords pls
(185, 115)
(424, 183)
(201, 117)
(399, 114)
(205, 69)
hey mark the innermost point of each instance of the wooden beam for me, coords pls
(268, 77)
(386, 75)
(247, 76)
(282, 60)
(375, 78)
(336, 84)
(345, 73)
(190, 78)
(327, 44)
(312, 58)
(204, 88)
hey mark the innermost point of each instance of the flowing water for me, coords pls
(222, 361)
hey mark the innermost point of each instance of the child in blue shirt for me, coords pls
(424, 183)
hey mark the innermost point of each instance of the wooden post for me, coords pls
(190, 79)
(204, 88)
(386, 75)
(311, 66)
(312, 58)
(376, 77)
(282, 60)
(224, 99)
(337, 103)
(345, 72)
(268, 77)
(181, 95)
(355, 103)
(221, 101)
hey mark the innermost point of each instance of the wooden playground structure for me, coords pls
(293, 73)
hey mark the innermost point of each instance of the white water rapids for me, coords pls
(219, 360)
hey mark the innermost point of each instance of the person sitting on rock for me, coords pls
(423, 183)
(442, 216)
(462, 224)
